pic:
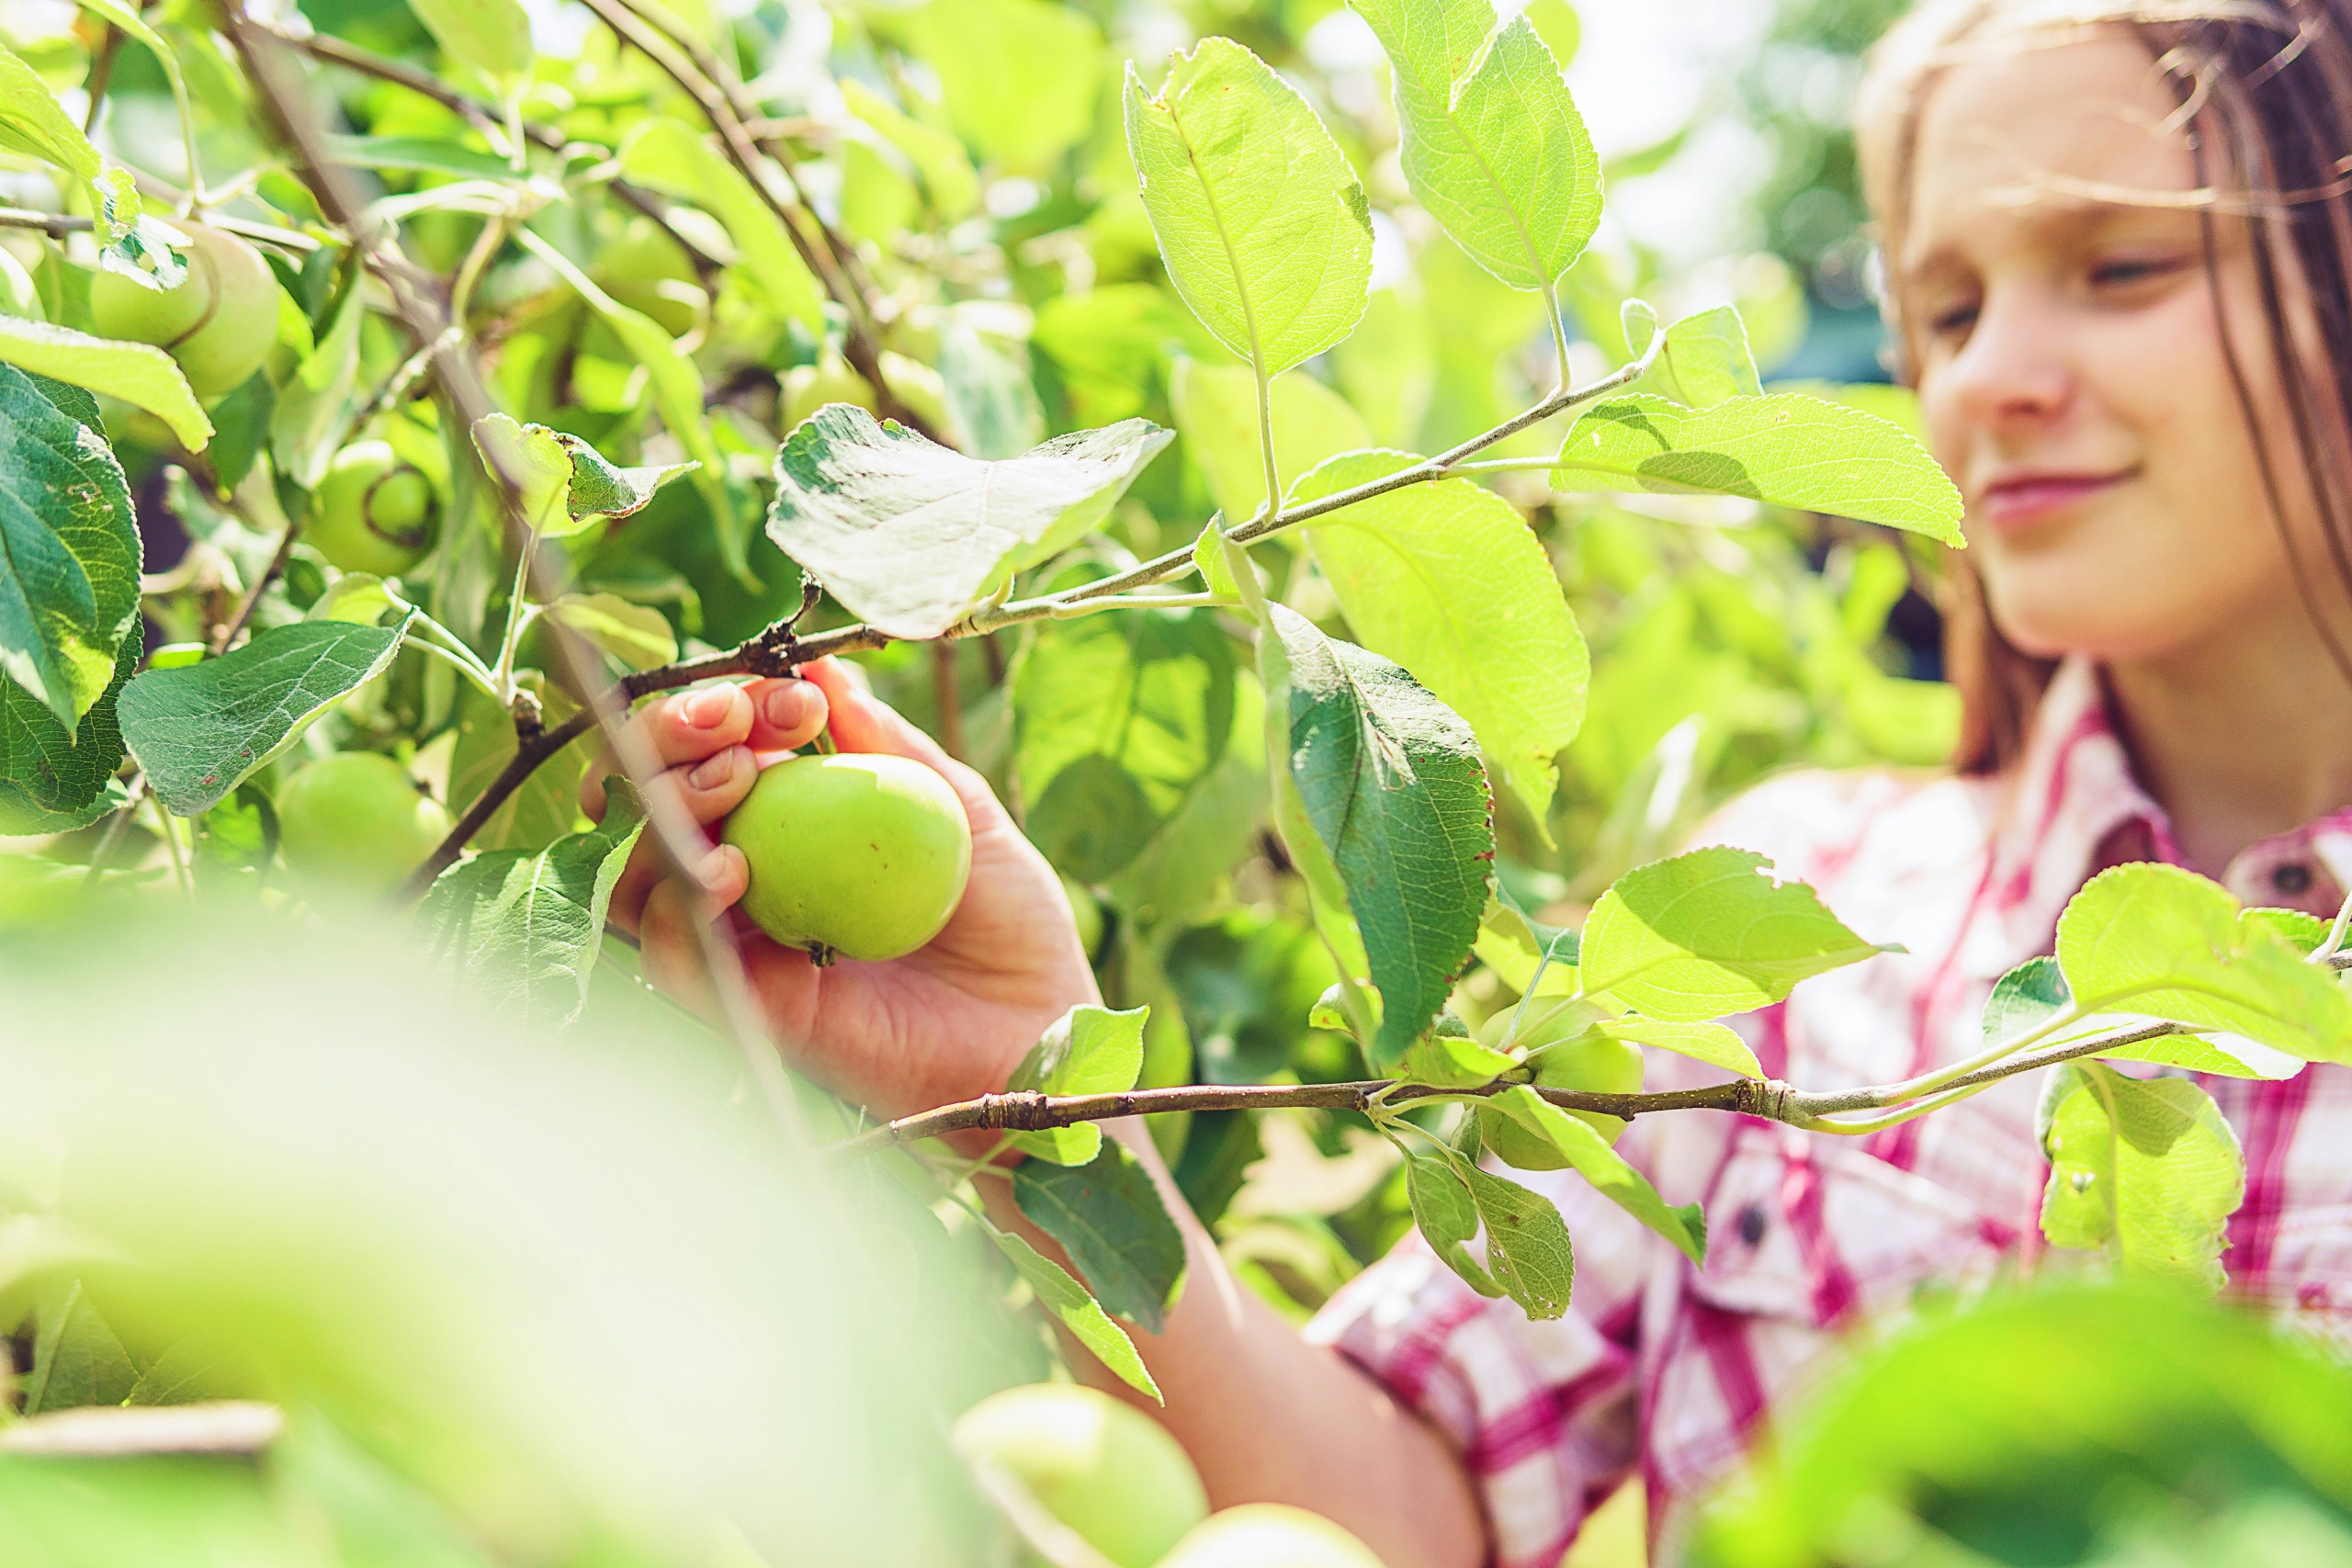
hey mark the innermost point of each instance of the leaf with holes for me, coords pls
(69, 548)
(201, 730)
(909, 534)
(1392, 786)
(51, 781)
(1527, 1242)
(1783, 448)
(34, 123)
(1493, 146)
(1264, 227)
(523, 927)
(2148, 1168)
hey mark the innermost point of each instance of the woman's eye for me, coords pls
(1947, 320)
(2124, 272)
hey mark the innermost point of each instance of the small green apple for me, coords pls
(1269, 1535)
(862, 855)
(220, 322)
(358, 817)
(373, 513)
(1107, 1471)
(1564, 1057)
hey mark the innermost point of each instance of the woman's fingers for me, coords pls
(863, 722)
(687, 728)
(786, 714)
(706, 791)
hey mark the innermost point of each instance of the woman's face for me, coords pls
(2071, 375)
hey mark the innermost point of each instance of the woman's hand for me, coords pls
(948, 1021)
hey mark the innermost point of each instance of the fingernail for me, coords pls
(707, 710)
(712, 772)
(787, 706)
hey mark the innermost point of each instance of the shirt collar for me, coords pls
(2071, 807)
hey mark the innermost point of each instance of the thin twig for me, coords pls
(1766, 1098)
(101, 72)
(228, 630)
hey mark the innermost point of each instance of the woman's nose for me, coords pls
(2013, 370)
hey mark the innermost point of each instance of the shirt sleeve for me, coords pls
(1544, 1415)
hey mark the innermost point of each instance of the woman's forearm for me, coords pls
(1267, 1417)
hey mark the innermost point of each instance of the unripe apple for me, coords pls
(1564, 1057)
(219, 323)
(373, 513)
(358, 817)
(1107, 1471)
(855, 852)
(1269, 1535)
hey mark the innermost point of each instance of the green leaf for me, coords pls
(546, 806)
(948, 180)
(240, 429)
(1716, 1045)
(908, 534)
(420, 155)
(203, 729)
(1527, 1242)
(1782, 447)
(78, 1358)
(1493, 146)
(566, 484)
(1704, 360)
(1518, 949)
(1264, 227)
(676, 388)
(33, 122)
(637, 634)
(69, 548)
(532, 458)
(1110, 1218)
(523, 927)
(52, 781)
(1709, 933)
(140, 374)
(991, 404)
(2033, 992)
(1390, 780)
(492, 36)
(1447, 579)
(2159, 1195)
(1117, 718)
(663, 154)
(1019, 76)
(1089, 1049)
(314, 404)
(1450, 1061)
(1216, 414)
(1580, 1145)
(1446, 1216)
(1080, 1313)
(2158, 941)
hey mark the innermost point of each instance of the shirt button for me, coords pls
(2293, 878)
(1751, 1225)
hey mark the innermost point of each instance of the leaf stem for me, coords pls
(1272, 510)
(171, 845)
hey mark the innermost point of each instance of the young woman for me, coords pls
(2117, 246)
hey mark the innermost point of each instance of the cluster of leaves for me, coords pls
(860, 304)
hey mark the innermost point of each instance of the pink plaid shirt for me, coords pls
(1672, 1367)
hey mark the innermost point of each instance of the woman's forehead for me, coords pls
(2045, 137)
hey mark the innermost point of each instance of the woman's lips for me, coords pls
(2011, 504)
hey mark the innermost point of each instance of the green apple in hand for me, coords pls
(373, 513)
(220, 322)
(1107, 1471)
(358, 817)
(858, 853)
(1564, 1057)
(1269, 1535)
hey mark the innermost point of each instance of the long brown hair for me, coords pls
(2266, 97)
